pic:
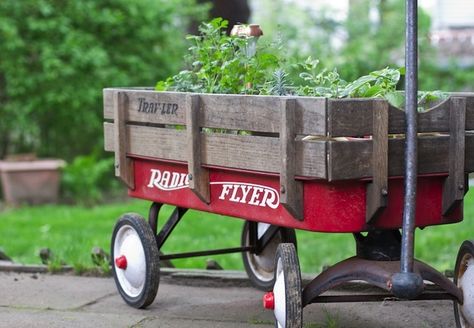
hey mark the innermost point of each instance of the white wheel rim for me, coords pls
(279, 293)
(128, 244)
(466, 283)
(262, 265)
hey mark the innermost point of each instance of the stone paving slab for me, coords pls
(59, 292)
(45, 300)
(41, 318)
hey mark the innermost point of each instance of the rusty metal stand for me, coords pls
(376, 273)
(377, 263)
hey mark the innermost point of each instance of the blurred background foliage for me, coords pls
(56, 57)
(369, 37)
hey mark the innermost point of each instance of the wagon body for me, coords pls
(331, 165)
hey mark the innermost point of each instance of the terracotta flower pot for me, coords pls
(31, 182)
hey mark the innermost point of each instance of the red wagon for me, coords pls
(282, 163)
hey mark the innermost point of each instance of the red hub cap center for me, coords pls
(269, 301)
(121, 262)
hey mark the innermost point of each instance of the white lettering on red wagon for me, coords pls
(166, 180)
(236, 192)
(249, 193)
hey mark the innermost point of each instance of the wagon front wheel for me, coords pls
(264, 238)
(135, 260)
(286, 298)
(464, 279)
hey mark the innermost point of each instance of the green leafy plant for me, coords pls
(218, 63)
(222, 64)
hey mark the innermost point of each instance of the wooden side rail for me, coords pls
(455, 185)
(123, 164)
(291, 191)
(141, 117)
(198, 176)
(377, 190)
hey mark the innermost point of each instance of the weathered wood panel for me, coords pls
(353, 159)
(376, 196)
(149, 106)
(233, 112)
(346, 159)
(261, 113)
(123, 165)
(197, 175)
(353, 117)
(291, 191)
(453, 189)
(233, 151)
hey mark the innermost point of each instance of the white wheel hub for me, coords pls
(466, 283)
(262, 228)
(279, 294)
(262, 264)
(128, 244)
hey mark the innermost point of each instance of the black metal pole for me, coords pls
(408, 284)
(411, 104)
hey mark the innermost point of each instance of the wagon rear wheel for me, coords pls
(464, 279)
(135, 260)
(259, 265)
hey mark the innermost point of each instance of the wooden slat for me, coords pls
(255, 153)
(454, 185)
(346, 159)
(345, 117)
(149, 106)
(353, 117)
(123, 165)
(353, 159)
(233, 112)
(198, 176)
(376, 196)
(151, 142)
(291, 191)
(261, 113)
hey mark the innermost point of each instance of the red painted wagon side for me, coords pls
(328, 206)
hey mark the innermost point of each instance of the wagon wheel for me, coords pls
(286, 299)
(464, 279)
(260, 265)
(136, 260)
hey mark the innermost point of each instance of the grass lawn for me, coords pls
(71, 232)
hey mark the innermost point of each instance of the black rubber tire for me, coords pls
(253, 262)
(286, 252)
(466, 251)
(152, 260)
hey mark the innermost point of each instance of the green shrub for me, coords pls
(57, 56)
(87, 178)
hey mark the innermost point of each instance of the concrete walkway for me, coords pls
(187, 299)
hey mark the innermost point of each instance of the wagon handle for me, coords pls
(408, 284)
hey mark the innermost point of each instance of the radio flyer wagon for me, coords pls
(349, 176)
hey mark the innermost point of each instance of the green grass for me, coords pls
(71, 232)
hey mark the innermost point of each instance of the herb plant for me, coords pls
(218, 63)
